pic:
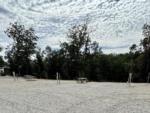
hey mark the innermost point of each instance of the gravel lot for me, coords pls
(45, 96)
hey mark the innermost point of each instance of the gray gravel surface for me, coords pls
(45, 96)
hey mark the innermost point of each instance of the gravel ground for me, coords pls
(45, 96)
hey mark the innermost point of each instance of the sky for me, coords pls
(115, 24)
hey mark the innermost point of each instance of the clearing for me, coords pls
(45, 96)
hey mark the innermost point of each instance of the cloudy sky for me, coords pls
(115, 24)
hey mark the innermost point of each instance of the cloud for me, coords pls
(115, 24)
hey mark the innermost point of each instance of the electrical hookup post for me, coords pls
(14, 75)
(130, 79)
(58, 78)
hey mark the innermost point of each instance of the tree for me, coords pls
(40, 66)
(77, 49)
(24, 44)
(1, 59)
(95, 48)
(47, 60)
(140, 62)
(133, 48)
(146, 46)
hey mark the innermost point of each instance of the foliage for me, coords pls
(77, 57)
(24, 44)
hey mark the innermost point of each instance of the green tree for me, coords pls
(24, 44)
(77, 49)
(146, 46)
(40, 65)
(1, 59)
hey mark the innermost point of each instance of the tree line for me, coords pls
(79, 56)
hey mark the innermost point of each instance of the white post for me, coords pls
(14, 75)
(57, 77)
(130, 79)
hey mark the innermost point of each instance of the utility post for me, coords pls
(14, 76)
(130, 79)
